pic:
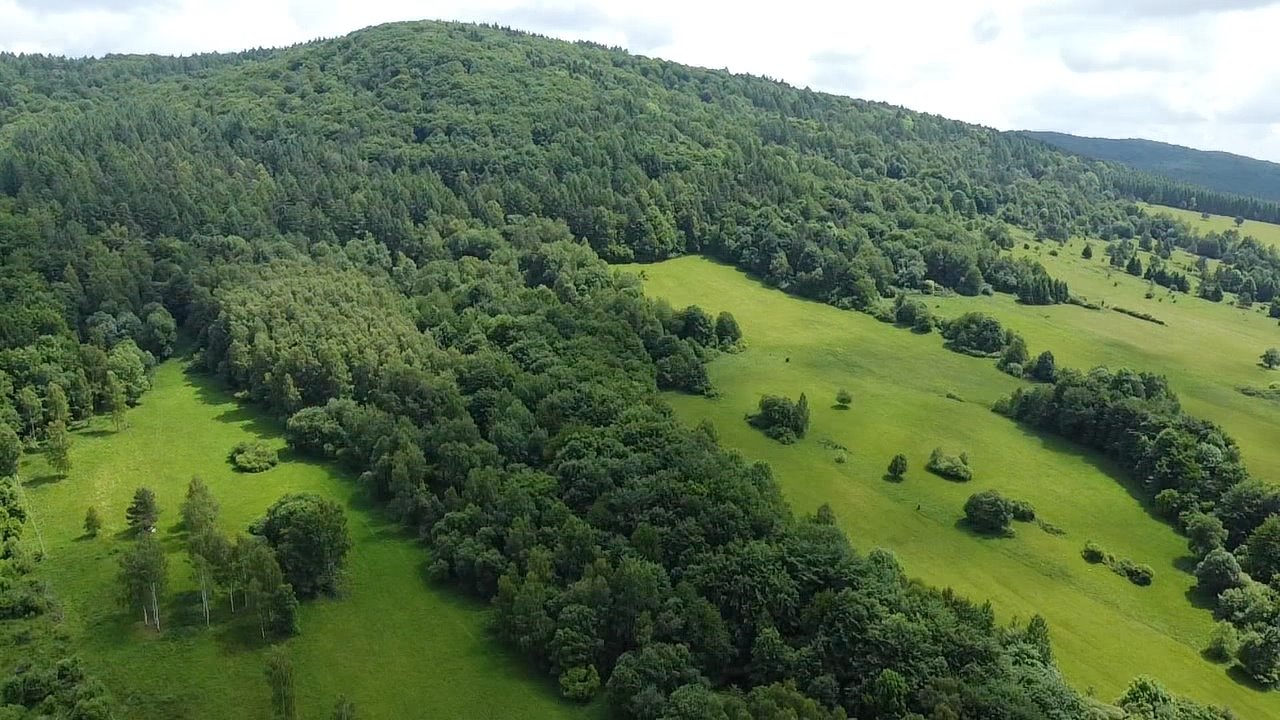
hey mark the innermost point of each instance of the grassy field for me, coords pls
(1105, 629)
(1264, 232)
(395, 644)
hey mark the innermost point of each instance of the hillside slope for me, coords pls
(1220, 171)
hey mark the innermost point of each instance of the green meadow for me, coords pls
(395, 644)
(1264, 232)
(911, 395)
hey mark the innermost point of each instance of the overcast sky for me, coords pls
(1204, 73)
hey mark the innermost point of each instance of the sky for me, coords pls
(1202, 73)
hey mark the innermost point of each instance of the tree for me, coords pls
(199, 509)
(1264, 550)
(1224, 642)
(92, 522)
(843, 398)
(728, 333)
(143, 512)
(1218, 571)
(280, 680)
(1271, 358)
(1087, 253)
(988, 512)
(31, 410)
(1238, 220)
(117, 404)
(56, 408)
(1205, 532)
(10, 451)
(309, 535)
(57, 447)
(1134, 266)
(1045, 368)
(143, 575)
(898, 466)
(1259, 655)
(1274, 311)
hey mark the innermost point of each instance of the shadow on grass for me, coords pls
(42, 480)
(1186, 564)
(838, 406)
(98, 433)
(1242, 678)
(1200, 599)
(892, 478)
(964, 526)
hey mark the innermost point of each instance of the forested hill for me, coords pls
(392, 241)
(1220, 171)
(383, 130)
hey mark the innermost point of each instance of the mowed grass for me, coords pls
(1266, 233)
(397, 645)
(1105, 629)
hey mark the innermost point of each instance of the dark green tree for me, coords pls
(143, 511)
(898, 466)
(280, 680)
(57, 447)
(92, 522)
(310, 539)
(988, 512)
(1271, 358)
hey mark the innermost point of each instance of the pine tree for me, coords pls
(143, 512)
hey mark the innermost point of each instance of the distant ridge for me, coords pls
(1220, 171)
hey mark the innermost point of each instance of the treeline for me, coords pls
(1164, 191)
(1191, 472)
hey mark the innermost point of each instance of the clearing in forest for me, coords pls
(910, 395)
(395, 644)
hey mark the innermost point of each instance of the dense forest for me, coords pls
(397, 240)
(1220, 172)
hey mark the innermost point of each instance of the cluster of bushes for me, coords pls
(991, 513)
(978, 334)
(1138, 574)
(952, 467)
(253, 456)
(913, 313)
(1016, 361)
(782, 419)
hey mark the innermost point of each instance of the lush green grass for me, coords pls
(1105, 629)
(1264, 232)
(397, 645)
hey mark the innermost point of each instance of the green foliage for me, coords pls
(199, 509)
(143, 578)
(1204, 532)
(92, 521)
(310, 539)
(57, 447)
(843, 398)
(253, 457)
(279, 672)
(1094, 553)
(782, 419)
(977, 334)
(1022, 510)
(143, 511)
(952, 467)
(10, 451)
(898, 466)
(1223, 643)
(1271, 358)
(988, 512)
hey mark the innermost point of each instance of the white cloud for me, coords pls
(1195, 72)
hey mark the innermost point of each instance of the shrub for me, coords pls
(952, 467)
(1138, 574)
(1223, 643)
(988, 512)
(976, 334)
(253, 457)
(1094, 553)
(782, 419)
(1022, 510)
(843, 398)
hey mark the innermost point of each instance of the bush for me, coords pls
(1022, 510)
(1223, 643)
(952, 467)
(1094, 553)
(580, 683)
(782, 419)
(977, 334)
(253, 457)
(988, 512)
(1138, 574)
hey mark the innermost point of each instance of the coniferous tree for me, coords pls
(143, 511)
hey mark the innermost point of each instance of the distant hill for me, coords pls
(1220, 171)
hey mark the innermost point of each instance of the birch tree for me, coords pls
(143, 577)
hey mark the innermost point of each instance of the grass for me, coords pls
(394, 643)
(1266, 233)
(911, 395)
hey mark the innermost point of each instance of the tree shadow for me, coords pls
(887, 477)
(964, 526)
(838, 406)
(1185, 563)
(42, 480)
(98, 433)
(1200, 599)
(1241, 677)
